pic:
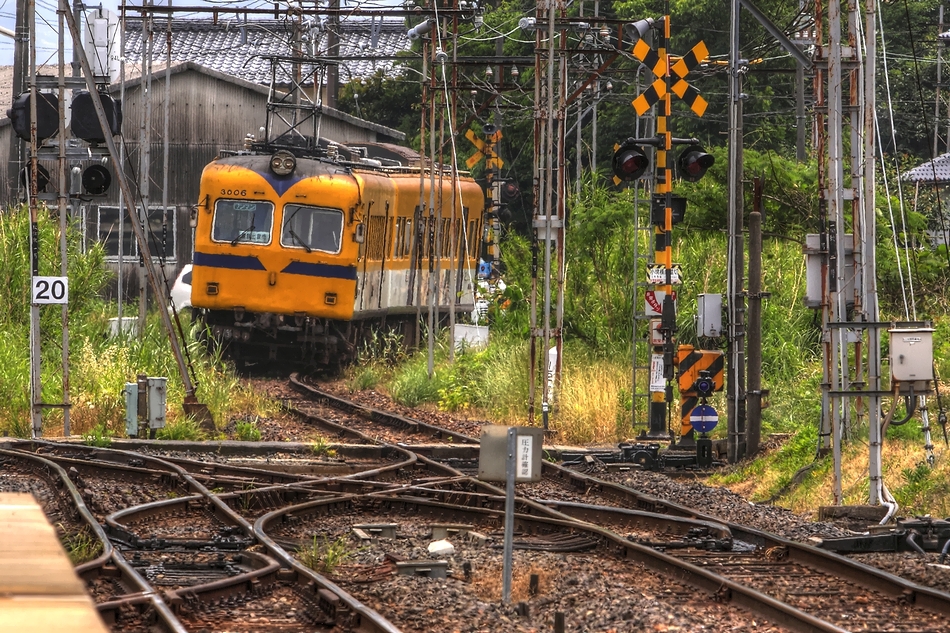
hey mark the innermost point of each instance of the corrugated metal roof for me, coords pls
(240, 48)
(933, 171)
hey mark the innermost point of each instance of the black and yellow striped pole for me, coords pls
(693, 162)
(663, 244)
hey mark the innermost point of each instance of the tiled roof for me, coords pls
(933, 171)
(239, 48)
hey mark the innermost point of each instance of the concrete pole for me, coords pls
(145, 139)
(333, 50)
(754, 338)
(869, 238)
(836, 232)
(62, 199)
(735, 379)
(939, 69)
(36, 387)
(21, 70)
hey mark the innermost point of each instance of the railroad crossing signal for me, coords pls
(485, 149)
(680, 69)
(630, 162)
(693, 163)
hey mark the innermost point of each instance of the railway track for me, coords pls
(191, 544)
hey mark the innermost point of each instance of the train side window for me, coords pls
(312, 228)
(242, 221)
(407, 243)
(474, 237)
(400, 238)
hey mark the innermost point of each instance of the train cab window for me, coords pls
(312, 228)
(242, 222)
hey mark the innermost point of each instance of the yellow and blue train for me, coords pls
(298, 258)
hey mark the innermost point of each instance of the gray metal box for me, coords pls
(157, 396)
(131, 392)
(493, 453)
(815, 258)
(911, 354)
(709, 315)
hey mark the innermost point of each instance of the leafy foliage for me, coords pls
(326, 555)
(185, 428)
(461, 386)
(247, 431)
(321, 447)
(81, 546)
(99, 436)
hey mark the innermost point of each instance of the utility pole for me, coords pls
(851, 371)
(36, 388)
(549, 194)
(869, 263)
(62, 198)
(735, 274)
(754, 338)
(937, 99)
(145, 140)
(21, 70)
(333, 49)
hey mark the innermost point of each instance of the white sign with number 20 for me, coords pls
(50, 290)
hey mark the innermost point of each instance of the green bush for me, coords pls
(185, 428)
(411, 385)
(247, 431)
(99, 436)
(364, 377)
(325, 556)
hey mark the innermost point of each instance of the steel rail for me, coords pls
(377, 622)
(91, 569)
(265, 572)
(370, 620)
(820, 560)
(392, 420)
(717, 587)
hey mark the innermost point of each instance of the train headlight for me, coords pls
(283, 163)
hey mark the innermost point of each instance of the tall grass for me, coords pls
(594, 400)
(99, 365)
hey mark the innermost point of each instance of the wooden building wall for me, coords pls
(208, 112)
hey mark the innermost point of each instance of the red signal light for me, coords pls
(630, 162)
(693, 163)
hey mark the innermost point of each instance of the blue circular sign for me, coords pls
(704, 418)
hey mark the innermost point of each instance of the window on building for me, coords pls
(102, 224)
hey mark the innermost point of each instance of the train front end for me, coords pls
(275, 257)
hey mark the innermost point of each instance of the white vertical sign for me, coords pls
(657, 380)
(524, 457)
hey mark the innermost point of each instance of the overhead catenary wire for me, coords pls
(909, 289)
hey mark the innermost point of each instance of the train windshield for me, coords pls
(242, 221)
(312, 228)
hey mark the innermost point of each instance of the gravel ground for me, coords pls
(595, 591)
(715, 501)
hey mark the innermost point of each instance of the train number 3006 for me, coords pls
(234, 192)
